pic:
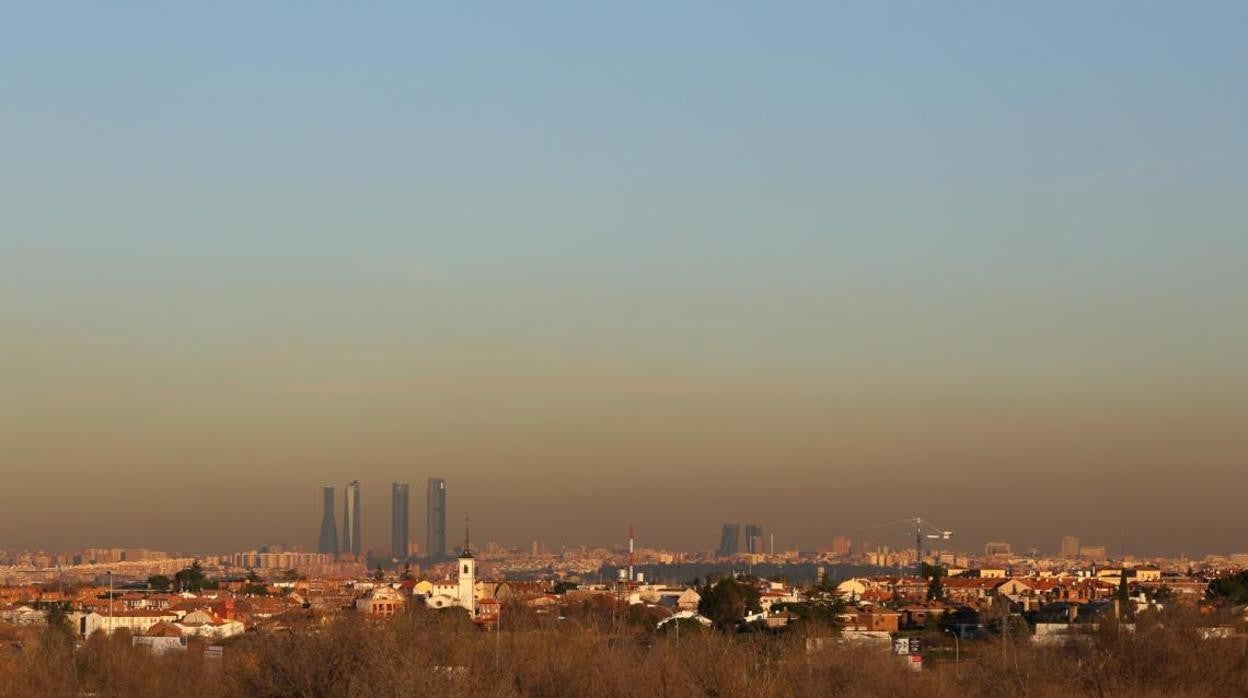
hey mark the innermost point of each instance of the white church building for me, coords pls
(462, 591)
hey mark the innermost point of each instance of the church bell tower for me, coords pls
(467, 576)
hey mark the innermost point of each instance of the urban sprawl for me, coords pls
(864, 594)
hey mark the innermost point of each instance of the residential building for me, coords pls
(1096, 553)
(381, 602)
(206, 623)
(136, 622)
(1070, 547)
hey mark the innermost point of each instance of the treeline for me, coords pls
(599, 650)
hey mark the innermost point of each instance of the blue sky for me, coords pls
(680, 222)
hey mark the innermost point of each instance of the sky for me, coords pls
(816, 266)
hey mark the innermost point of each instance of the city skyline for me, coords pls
(737, 536)
(1068, 550)
(898, 537)
(983, 262)
(733, 538)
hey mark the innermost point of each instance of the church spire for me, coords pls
(467, 547)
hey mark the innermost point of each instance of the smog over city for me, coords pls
(790, 319)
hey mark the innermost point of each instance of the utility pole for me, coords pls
(1005, 628)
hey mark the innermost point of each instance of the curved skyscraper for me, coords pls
(328, 542)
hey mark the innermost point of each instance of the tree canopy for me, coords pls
(1229, 591)
(817, 609)
(191, 578)
(935, 588)
(1123, 595)
(728, 600)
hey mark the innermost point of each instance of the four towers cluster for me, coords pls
(400, 527)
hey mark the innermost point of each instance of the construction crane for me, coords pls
(923, 529)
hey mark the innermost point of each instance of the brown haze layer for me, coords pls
(224, 445)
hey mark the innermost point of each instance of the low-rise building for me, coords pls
(136, 622)
(381, 602)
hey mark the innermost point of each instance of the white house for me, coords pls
(381, 602)
(204, 623)
(673, 597)
(137, 622)
(22, 615)
(772, 596)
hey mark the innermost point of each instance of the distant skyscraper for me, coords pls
(1070, 546)
(841, 545)
(730, 540)
(753, 538)
(351, 519)
(328, 542)
(1095, 553)
(435, 517)
(398, 520)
